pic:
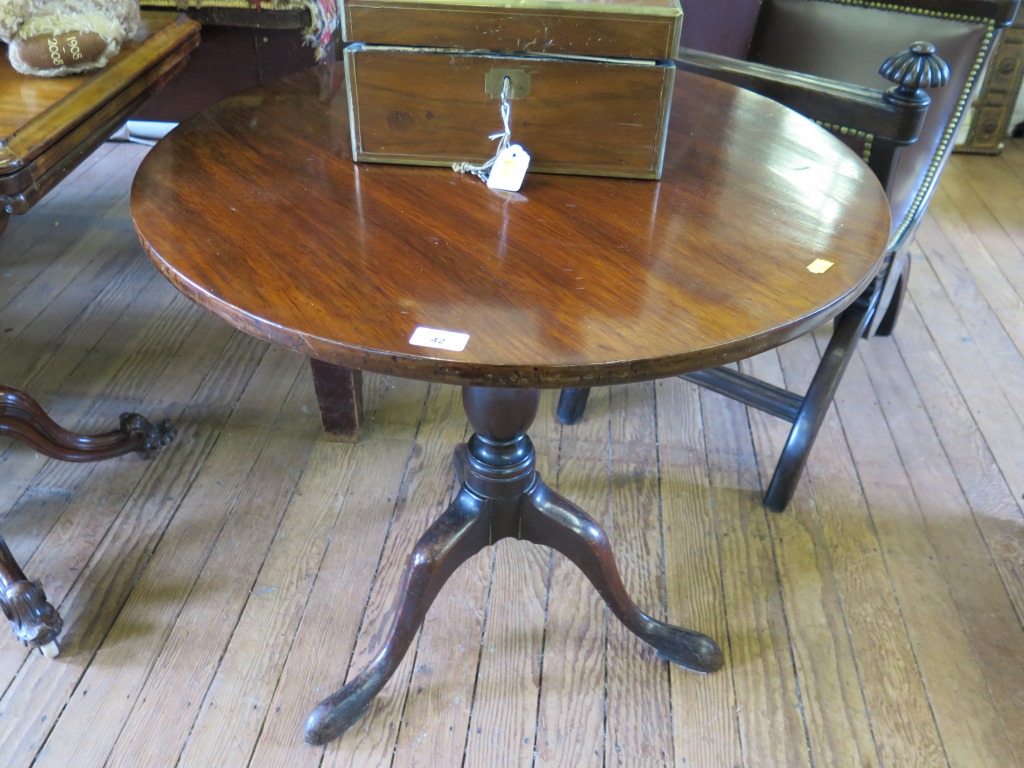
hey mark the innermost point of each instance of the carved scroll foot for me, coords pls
(453, 538)
(35, 622)
(23, 419)
(143, 437)
(555, 522)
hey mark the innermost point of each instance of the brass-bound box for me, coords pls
(589, 82)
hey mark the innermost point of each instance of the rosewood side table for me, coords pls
(48, 126)
(255, 210)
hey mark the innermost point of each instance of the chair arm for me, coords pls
(818, 98)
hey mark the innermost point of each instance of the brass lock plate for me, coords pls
(519, 80)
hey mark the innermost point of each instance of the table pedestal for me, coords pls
(501, 495)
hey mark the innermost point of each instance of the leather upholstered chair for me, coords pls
(822, 58)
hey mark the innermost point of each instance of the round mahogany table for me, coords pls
(255, 210)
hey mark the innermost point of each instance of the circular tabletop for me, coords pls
(255, 210)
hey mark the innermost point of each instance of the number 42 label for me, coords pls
(453, 341)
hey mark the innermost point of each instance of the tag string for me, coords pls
(504, 139)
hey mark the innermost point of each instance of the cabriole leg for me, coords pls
(458, 534)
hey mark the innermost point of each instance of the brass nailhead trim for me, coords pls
(844, 130)
(954, 122)
(948, 134)
(916, 11)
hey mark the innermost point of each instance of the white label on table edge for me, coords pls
(453, 341)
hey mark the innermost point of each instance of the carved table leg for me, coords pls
(453, 538)
(4, 218)
(339, 393)
(35, 622)
(501, 495)
(555, 522)
(22, 418)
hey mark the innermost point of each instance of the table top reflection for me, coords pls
(256, 211)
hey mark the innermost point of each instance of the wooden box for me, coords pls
(591, 81)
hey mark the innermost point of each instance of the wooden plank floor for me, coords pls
(213, 594)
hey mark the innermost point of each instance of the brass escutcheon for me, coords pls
(494, 82)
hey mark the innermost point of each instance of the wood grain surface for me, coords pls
(255, 210)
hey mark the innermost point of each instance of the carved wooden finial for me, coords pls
(914, 69)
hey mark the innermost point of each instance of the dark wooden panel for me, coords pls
(579, 115)
(227, 61)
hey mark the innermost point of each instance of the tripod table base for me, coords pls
(501, 495)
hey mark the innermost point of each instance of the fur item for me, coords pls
(53, 38)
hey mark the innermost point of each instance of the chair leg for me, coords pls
(848, 330)
(571, 404)
(891, 302)
(808, 417)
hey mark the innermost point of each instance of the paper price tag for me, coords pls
(453, 341)
(509, 169)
